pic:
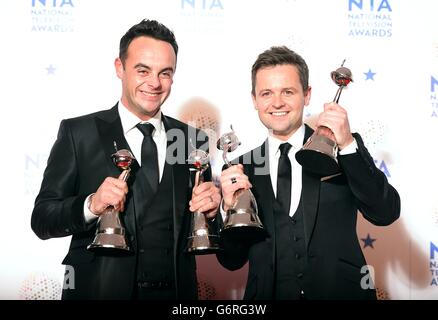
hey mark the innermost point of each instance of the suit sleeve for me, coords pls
(378, 200)
(58, 210)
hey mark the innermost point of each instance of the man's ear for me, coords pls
(119, 68)
(254, 102)
(307, 96)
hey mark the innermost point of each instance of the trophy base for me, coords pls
(109, 251)
(205, 244)
(243, 233)
(95, 247)
(243, 225)
(318, 155)
(109, 243)
(317, 162)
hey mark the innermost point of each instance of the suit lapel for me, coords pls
(265, 193)
(310, 197)
(110, 131)
(180, 178)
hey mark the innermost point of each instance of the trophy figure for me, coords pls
(201, 240)
(110, 234)
(242, 221)
(319, 153)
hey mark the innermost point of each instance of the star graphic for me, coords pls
(368, 241)
(50, 70)
(369, 75)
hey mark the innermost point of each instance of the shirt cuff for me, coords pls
(88, 215)
(223, 213)
(351, 148)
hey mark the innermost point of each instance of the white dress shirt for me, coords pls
(134, 137)
(296, 140)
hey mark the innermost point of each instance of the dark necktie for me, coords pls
(284, 178)
(149, 155)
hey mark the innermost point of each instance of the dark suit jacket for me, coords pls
(79, 162)
(334, 255)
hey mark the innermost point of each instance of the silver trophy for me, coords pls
(201, 239)
(110, 233)
(319, 153)
(242, 221)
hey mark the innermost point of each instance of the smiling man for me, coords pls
(311, 250)
(80, 183)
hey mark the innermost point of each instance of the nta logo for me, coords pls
(52, 3)
(433, 264)
(369, 4)
(433, 84)
(202, 4)
(383, 167)
(433, 250)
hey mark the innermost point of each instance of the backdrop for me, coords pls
(57, 62)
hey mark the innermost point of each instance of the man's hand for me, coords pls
(112, 192)
(335, 117)
(232, 180)
(206, 199)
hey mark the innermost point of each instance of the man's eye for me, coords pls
(166, 75)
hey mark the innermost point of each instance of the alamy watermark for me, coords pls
(69, 278)
(366, 282)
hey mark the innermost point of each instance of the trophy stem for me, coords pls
(338, 94)
(126, 175)
(224, 157)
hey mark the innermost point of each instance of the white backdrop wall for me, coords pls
(57, 62)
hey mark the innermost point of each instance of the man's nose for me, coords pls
(153, 81)
(278, 101)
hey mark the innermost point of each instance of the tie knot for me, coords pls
(146, 128)
(284, 148)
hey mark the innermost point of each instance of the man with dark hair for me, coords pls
(311, 250)
(80, 182)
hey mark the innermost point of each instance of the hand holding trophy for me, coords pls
(201, 240)
(242, 221)
(319, 153)
(110, 233)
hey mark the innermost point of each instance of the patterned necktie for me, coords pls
(284, 178)
(149, 155)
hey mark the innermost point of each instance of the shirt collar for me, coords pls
(296, 140)
(130, 120)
